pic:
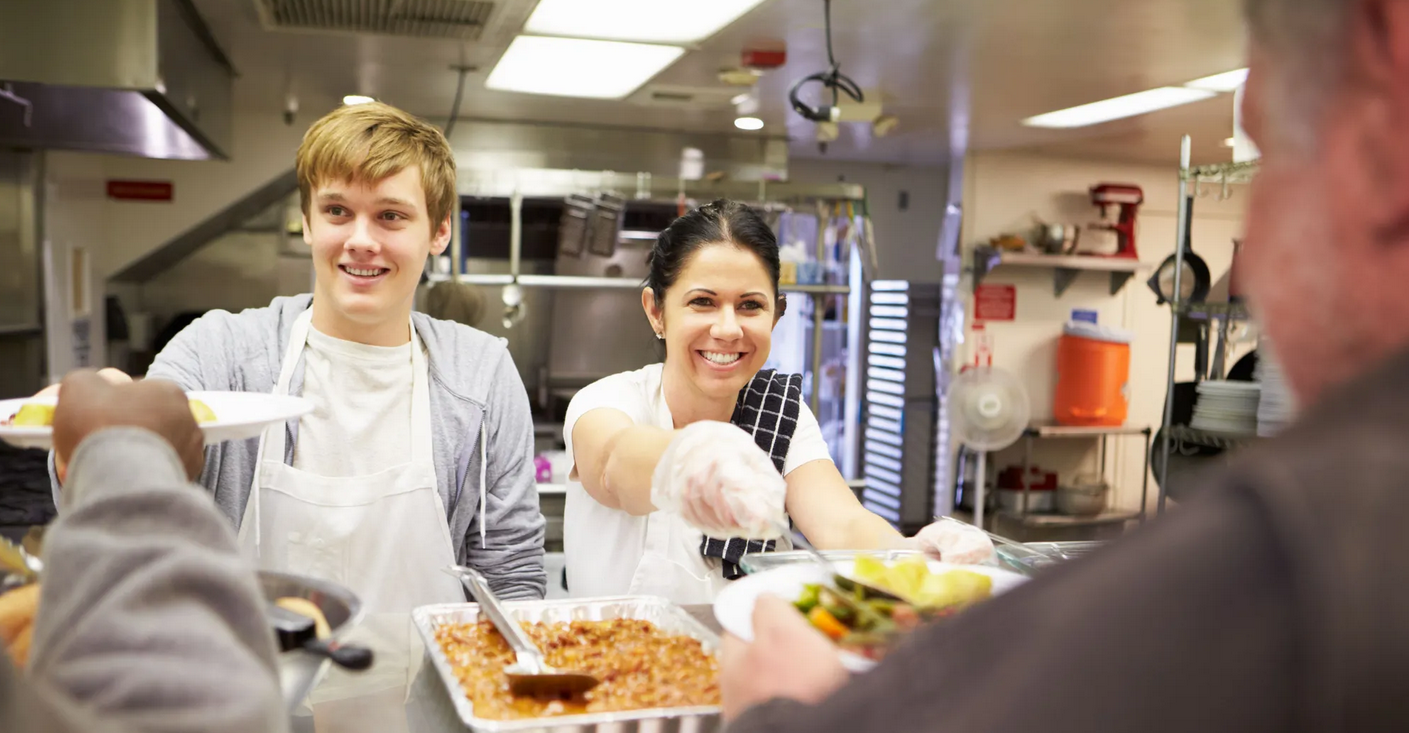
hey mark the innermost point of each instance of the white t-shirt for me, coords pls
(604, 546)
(361, 419)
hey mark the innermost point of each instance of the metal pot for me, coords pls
(1037, 501)
(1057, 239)
(1082, 501)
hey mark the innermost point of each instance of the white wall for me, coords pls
(74, 217)
(237, 271)
(906, 239)
(1003, 192)
(263, 148)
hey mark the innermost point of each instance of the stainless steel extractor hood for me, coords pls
(137, 77)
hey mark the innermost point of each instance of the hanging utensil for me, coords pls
(1201, 354)
(529, 674)
(606, 225)
(1194, 281)
(573, 227)
(1220, 352)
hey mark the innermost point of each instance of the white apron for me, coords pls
(383, 535)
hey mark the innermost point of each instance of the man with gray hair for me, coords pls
(1275, 600)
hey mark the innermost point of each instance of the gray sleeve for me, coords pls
(28, 706)
(511, 556)
(150, 617)
(196, 358)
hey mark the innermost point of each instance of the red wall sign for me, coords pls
(995, 302)
(140, 190)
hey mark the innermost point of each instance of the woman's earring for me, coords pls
(660, 335)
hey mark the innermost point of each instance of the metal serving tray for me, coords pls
(664, 614)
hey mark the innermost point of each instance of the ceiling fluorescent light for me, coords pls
(1228, 81)
(1119, 107)
(576, 67)
(748, 123)
(646, 21)
(357, 99)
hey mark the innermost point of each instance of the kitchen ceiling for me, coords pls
(1002, 60)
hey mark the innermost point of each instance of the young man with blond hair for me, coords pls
(418, 453)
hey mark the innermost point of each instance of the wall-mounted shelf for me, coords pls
(1065, 267)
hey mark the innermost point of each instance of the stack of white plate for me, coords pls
(1276, 408)
(1227, 407)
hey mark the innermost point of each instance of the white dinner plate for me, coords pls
(238, 416)
(733, 607)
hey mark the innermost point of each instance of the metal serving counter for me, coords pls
(421, 705)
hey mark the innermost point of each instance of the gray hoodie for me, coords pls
(475, 394)
(150, 620)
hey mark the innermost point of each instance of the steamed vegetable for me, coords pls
(912, 580)
(927, 596)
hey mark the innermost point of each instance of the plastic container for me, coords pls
(1093, 376)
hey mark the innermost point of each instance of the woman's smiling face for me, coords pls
(717, 319)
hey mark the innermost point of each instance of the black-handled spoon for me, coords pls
(356, 658)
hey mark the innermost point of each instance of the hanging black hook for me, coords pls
(831, 79)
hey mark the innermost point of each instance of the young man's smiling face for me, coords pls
(370, 241)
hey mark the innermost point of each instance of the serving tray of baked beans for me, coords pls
(655, 662)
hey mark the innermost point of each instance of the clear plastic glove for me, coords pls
(955, 542)
(720, 481)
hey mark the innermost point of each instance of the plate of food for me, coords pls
(865, 626)
(27, 422)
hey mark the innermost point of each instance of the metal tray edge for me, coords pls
(421, 616)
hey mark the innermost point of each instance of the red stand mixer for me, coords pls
(1128, 198)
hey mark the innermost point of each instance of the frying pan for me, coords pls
(1195, 281)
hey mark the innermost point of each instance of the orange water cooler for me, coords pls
(1093, 376)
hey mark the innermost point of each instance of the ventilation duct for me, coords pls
(135, 77)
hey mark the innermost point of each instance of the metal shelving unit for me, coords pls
(571, 282)
(1230, 174)
(1191, 180)
(1050, 521)
(1207, 438)
(1065, 267)
(1206, 311)
(1110, 516)
(763, 194)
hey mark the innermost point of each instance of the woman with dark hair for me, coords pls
(682, 467)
